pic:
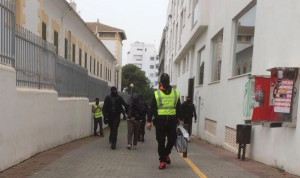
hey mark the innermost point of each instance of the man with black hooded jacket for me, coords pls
(111, 110)
(166, 109)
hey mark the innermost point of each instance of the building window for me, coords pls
(200, 66)
(109, 75)
(56, 41)
(85, 60)
(100, 70)
(66, 48)
(44, 31)
(187, 62)
(107, 35)
(151, 75)
(195, 12)
(179, 66)
(151, 66)
(183, 65)
(217, 43)
(245, 27)
(73, 52)
(156, 66)
(97, 68)
(80, 56)
(105, 73)
(138, 65)
(94, 66)
(90, 64)
(139, 49)
(151, 58)
(145, 49)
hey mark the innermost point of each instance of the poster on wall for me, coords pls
(283, 97)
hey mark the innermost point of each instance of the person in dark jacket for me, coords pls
(143, 123)
(188, 110)
(166, 109)
(134, 120)
(111, 110)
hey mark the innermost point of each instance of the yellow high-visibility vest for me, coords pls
(166, 104)
(97, 113)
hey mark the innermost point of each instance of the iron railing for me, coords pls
(38, 66)
(95, 86)
(7, 32)
(35, 60)
(71, 79)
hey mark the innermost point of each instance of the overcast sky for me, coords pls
(142, 20)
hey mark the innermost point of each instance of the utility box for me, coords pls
(275, 98)
(243, 134)
(284, 94)
(243, 137)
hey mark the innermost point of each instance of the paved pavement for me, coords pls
(93, 158)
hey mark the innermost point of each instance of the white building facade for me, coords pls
(112, 38)
(145, 57)
(58, 23)
(212, 47)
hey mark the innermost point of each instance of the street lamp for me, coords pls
(131, 87)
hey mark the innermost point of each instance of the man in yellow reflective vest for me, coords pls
(166, 109)
(97, 118)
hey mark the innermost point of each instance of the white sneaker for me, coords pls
(129, 147)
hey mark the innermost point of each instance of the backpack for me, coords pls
(139, 103)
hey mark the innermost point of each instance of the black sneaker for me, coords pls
(143, 139)
(168, 160)
(113, 146)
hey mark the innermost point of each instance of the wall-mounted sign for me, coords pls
(283, 98)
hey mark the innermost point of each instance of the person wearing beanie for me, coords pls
(166, 109)
(111, 110)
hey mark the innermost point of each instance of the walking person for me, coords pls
(188, 110)
(166, 108)
(97, 117)
(134, 120)
(143, 121)
(112, 109)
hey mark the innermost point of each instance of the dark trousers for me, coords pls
(165, 127)
(113, 124)
(188, 128)
(133, 131)
(98, 121)
(188, 121)
(142, 129)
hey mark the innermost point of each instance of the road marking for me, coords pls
(194, 167)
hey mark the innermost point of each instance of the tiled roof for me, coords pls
(105, 28)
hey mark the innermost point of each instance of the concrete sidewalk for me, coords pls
(93, 158)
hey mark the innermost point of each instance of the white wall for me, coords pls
(111, 46)
(33, 121)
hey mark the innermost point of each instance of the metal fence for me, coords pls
(38, 66)
(7, 32)
(35, 60)
(71, 79)
(97, 88)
